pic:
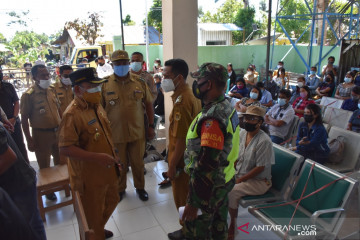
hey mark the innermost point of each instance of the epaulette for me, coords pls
(30, 91)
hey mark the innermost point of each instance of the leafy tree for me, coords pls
(155, 15)
(2, 38)
(18, 18)
(245, 17)
(225, 14)
(127, 21)
(87, 29)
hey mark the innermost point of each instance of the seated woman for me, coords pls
(281, 80)
(354, 122)
(239, 90)
(296, 92)
(231, 74)
(301, 102)
(352, 103)
(250, 77)
(326, 88)
(343, 90)
(256, 154)
(311, 141)
(254, 100)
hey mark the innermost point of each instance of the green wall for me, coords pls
(241, 56)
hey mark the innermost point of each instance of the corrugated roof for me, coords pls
(218, 27)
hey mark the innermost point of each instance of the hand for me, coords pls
(238, 180)
(171, 173)
(190, 213)
(12, 121)
(105, 159)
(242, 108)
(151, 133)
(31, 144)
(293, 148)
(119, 164)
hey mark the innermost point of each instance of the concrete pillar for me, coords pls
(179, 23)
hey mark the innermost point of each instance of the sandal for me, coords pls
(164, 184)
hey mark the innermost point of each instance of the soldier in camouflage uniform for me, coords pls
(212, 146)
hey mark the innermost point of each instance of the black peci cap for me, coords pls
(85, 75)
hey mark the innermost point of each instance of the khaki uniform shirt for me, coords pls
(123, 103)
(185, 109)
(148, 78)
(64, 95)
(41, 107)
(87, 127)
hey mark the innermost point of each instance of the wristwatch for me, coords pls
(152, 125)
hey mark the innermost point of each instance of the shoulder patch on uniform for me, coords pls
(91, 122)
(110, 93)
(29, 91)
(177, 116)
(178, 99)
(211, 135)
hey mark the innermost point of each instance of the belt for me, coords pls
(46, 129)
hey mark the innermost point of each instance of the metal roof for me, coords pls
(218, 27)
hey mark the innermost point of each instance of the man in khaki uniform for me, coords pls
(85, 137)
(185, 109)
(136, 62)
(123, 97)
(39, 106)
(62, 89)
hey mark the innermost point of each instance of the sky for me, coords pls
(49, 16)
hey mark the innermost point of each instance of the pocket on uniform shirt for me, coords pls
(111, 99)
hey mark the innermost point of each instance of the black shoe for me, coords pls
(121, 195)
(145, 171)
(177, 235)
(51, 197)
(108, 234)
(143, 195)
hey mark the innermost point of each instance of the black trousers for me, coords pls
(19, 139)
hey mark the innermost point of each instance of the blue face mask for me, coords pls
(356, 69)
(282, 101)
(121, 70)
(312, 72)
(359, 105)
(253, 95)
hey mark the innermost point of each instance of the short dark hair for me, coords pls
(137, 53)
(178, 66)
(281, 62)
(158, 61)
(240, 79)
(316, 110)
(35, 69)
(302, 78)
(101, 58)
(286, 92)
(271, 72)
(64, 68)
(356, 90)
(314, 67)
(251, 68)
(260, 84)
(259, 90)
(331, 57)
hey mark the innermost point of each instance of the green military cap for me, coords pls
(85, 75)
(213, 70)
(119, 55)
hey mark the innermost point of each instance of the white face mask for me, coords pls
(279, 66)
(136, 66)
(249, 72)
(66, 81)
(300, 84)
(167, 85)
(44, 84)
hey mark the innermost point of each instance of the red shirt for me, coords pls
(301, 104)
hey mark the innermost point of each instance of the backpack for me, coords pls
(336, 146)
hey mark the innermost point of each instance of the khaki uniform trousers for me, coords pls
(180, 188)
(133, 153)
(46, 144)
(99, 201)
(252, 187)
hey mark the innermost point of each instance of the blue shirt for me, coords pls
(357, 80)
(312, 82)
(243, 91)
(350, 105)
(355, 121)
(317, 136)
(266, 97)
(325, 85)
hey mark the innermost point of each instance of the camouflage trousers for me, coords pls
(212, 223)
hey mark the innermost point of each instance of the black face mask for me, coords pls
(308, 118)
(101, 64)
(250, 127)
(196, 90)
(327, 80)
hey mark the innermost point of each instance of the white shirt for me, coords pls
(105, 70)
(285, 115)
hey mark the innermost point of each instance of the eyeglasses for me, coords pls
(250, 118)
